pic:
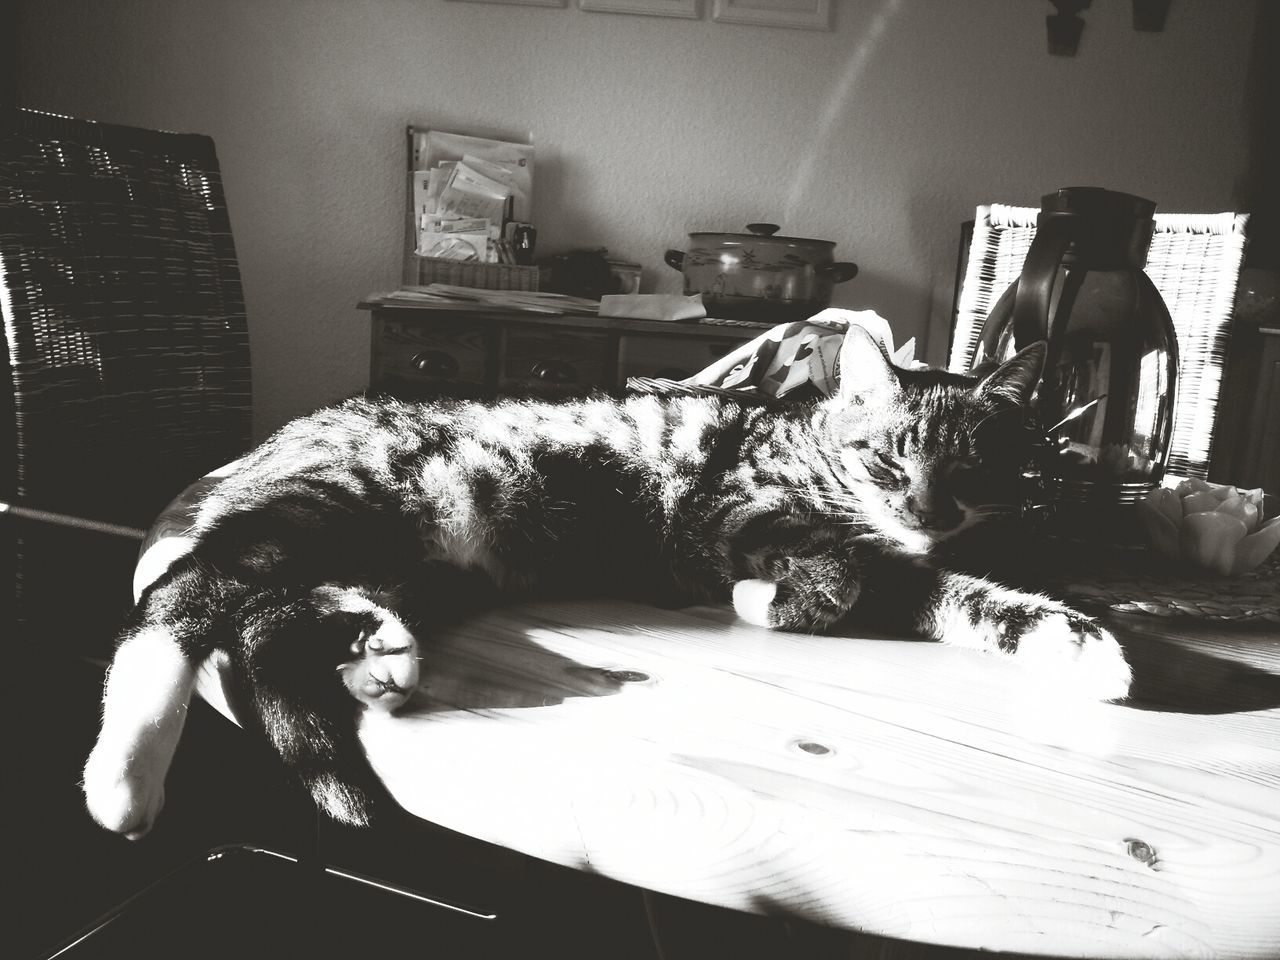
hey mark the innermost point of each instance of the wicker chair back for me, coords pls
(127, 373)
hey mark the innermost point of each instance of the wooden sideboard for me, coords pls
(419, 351)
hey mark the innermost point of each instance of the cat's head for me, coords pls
(927, 453)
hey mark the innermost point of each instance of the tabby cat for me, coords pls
(337, 543)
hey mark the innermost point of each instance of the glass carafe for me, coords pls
(1106, 395)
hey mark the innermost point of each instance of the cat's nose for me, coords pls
(930, 514)
(921, 510)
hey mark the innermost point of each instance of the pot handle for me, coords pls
(674, 258)
(839, 272)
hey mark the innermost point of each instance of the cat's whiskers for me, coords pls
(973, 516)
(984, 512)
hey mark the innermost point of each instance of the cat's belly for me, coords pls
(585, 558)
(579, 526)
(466, 552)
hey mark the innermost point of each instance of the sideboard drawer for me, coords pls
(449, 355)
(555, 361)
(673, 358)
(419, 353)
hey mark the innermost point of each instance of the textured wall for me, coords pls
(882, 135)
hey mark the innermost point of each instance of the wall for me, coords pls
(882, 135)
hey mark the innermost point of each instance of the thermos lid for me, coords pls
(1097, 202)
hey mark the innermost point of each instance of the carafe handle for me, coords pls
(1035, 285)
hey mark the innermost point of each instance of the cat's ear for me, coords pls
(1015, 380)
(866, 372)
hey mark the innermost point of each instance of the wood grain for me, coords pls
(884, 785)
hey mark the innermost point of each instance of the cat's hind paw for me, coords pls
(122, 801)
(1078, 653)
(385, 670)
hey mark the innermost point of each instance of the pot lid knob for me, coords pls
(763, 229)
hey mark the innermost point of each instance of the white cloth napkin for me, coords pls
(791, 355)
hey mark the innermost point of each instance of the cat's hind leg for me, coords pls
(307, 666)
(145, 701)
(148, 691)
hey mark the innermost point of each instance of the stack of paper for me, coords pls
(466, 191)
(444, 294)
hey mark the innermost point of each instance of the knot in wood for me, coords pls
(626, 676)
(1140, 851)
(811, 747)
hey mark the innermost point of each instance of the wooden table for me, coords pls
(878, 784)
(885, 785)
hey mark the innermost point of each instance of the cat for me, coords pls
(332, 548)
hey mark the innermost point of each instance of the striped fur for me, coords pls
(349, 533)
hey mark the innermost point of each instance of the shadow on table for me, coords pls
(499, 660)
(508, 669)
(1172, 678)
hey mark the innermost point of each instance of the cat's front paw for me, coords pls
(121, 794)
(1075, 650)
(786, 606)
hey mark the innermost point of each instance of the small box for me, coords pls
(626, 273)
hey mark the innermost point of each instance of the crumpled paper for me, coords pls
(793, 355)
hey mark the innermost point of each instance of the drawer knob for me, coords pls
(435, 363)
(554, 371)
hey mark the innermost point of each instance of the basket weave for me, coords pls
(1128, 584)
(677, 388)
(486, 276)
(127, 349)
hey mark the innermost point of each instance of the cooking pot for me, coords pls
(757, 276)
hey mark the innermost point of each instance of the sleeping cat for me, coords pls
(334, 546)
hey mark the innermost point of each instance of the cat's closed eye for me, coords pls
(886, 470)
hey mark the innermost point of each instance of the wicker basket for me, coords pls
(678, 388)
(486, 276)
(1134, 582)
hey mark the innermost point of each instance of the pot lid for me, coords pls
(761, 231)
(1096, 202)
